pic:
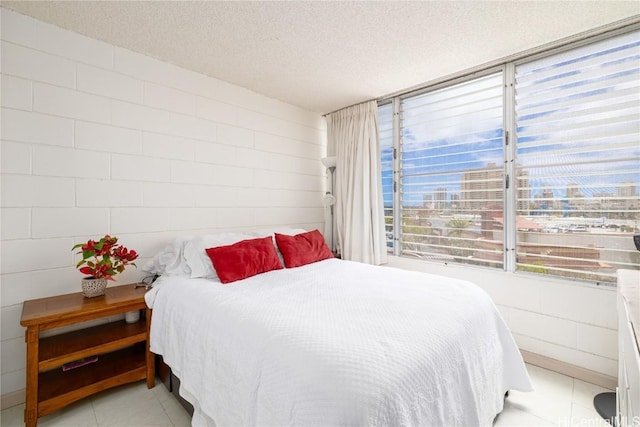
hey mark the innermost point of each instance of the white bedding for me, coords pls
(336, 343)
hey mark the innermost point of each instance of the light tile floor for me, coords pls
(558, 400)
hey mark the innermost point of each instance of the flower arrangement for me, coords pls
(105, 258)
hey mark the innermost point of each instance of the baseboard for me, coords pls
(570, 370)
(12, 399)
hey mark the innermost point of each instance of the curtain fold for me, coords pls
(352, 136)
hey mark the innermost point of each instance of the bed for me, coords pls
(334, 342)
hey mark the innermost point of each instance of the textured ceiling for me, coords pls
(323, 56)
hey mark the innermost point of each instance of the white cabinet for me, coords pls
(628, 391)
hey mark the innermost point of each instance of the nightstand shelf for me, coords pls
(58, 388)
(60, 349)
(122, 349)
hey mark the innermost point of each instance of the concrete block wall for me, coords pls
(97, 139)
(572, 322)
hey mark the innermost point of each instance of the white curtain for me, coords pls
(352, 137)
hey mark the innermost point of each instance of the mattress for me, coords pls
(336, 343)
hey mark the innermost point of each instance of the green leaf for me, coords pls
(88, 254)
(79, 245)
(81, 262)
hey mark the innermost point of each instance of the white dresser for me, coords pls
(628, 391)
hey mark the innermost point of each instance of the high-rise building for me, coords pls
(481, 187)
(427, 201)
(523, 196)
(626, 193)
(485, 187)
(455, 200)
(626, 189)
(440, 198)
(573, 191)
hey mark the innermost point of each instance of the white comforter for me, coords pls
(336, 343)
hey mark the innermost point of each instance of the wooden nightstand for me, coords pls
(122, 349)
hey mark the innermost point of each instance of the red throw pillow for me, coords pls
(244, 259)
(303, 248)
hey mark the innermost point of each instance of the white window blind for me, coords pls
(452, 173)
(578, 160)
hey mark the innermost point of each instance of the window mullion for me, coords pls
(510, 205)
(397, 182)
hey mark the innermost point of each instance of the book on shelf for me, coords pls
(77, 363)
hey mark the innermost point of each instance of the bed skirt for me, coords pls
(171, 382)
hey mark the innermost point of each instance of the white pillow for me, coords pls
(289, 231)
(170, 261)
(198, 260)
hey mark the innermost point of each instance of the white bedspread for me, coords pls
(336, 343)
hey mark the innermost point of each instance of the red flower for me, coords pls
(106, 245)
(102, 271)
(133, 255)
(87, 270)
(125, 255)
(104, 259)
(90, 246)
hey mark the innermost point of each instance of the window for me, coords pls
(532, 167)
(578, 160)
(452, 172)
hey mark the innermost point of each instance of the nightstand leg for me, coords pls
(151, 359)
(31, 406)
